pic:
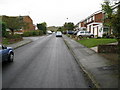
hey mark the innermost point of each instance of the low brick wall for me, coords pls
(107, 49)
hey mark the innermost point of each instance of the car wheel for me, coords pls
(92, 36)
(11, 57)
(80, 36)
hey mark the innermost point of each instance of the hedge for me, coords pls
(32, 33)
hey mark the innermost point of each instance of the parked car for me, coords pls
(58, 34)
(85, 34)
(64, 32)
(6, 53)
(75, 32)
(49, 32)
(70, 32)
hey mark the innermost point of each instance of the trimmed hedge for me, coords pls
(32, 33)
(11, 39)
(15, 36)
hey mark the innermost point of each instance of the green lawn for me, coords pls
(95, 42)
(5, 41)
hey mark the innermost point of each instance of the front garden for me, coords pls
(10, 39)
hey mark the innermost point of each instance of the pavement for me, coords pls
(97, 68)
(19, 44)
(25, 41)
(94, 49)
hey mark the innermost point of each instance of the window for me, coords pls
(93, 17)
(87, 32)
(81, 32)
(0, 47)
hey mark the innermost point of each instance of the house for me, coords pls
(29, 22)
(93, 23)
(25, 19)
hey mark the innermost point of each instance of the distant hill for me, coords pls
(52, 28)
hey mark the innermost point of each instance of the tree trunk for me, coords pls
(12, 32)
(110, 30)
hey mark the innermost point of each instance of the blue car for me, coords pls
(6, 54)
(70, 32)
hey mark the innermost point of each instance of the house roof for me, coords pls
(15, 16)
(116, 5)
(90, 16)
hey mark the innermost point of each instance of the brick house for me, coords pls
(93, 23)
(29, 23)
(80, 25)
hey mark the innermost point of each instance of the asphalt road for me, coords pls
(44, 63)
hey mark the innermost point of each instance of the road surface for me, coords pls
(44, 63)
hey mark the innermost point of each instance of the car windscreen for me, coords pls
(59, 33)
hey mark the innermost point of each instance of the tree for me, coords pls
(69, 26)
(60, 29)
(3, 28)
(108, 11)
(116, 28)
(13, 23)
(115, 24)
(53, 28)
(42, 26)
(113, 19)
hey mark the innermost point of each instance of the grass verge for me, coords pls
(92, 42)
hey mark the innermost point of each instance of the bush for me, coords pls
(15, 36)
(40, 32)
(99, 37)
(32, 33)
(26, 34)
(11, 39)
(3, 27)
(104, 35)
(108, 36)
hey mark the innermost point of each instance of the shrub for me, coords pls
(26, 34)
(108, 36)
(40, 32)
(99, 37)
(32, 33)
(15, 36)
(11, 39)
(3, 27)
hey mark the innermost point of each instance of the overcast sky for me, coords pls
(53, 12)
